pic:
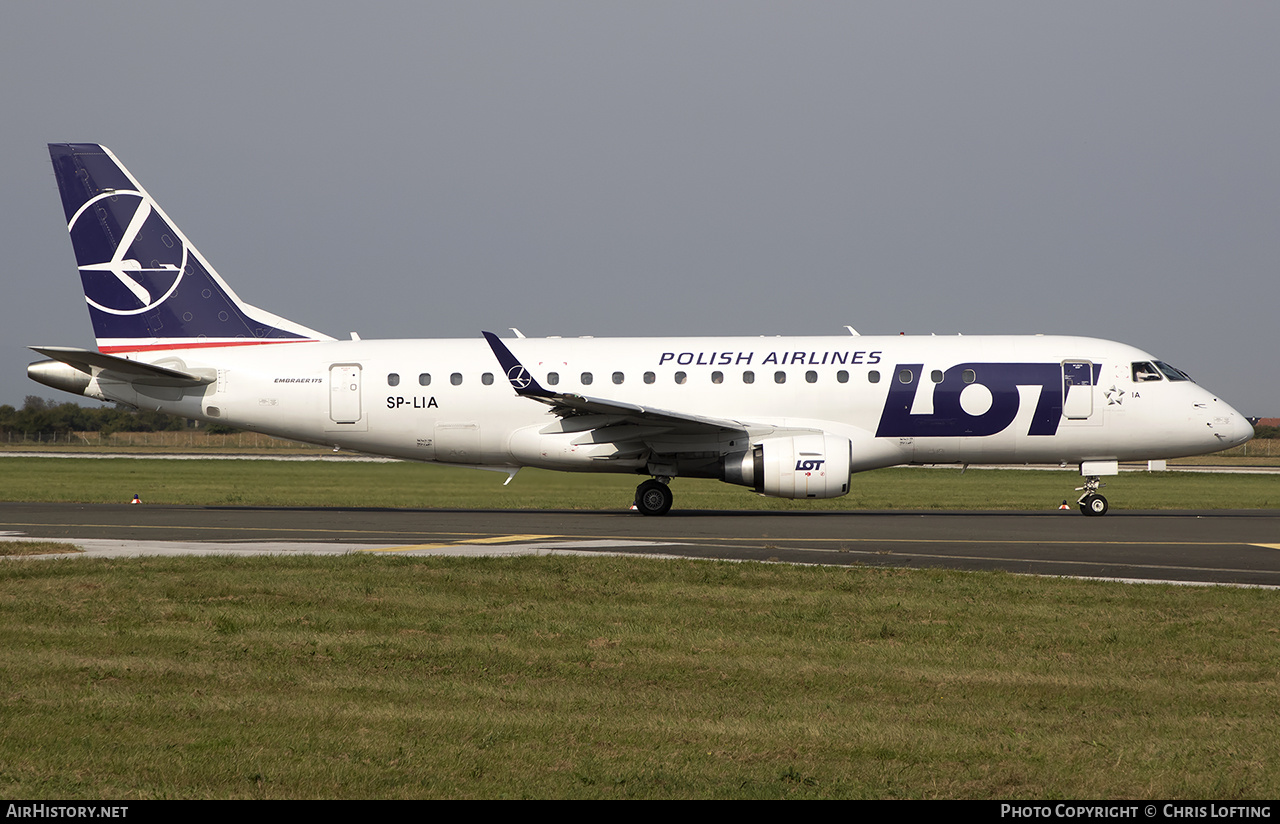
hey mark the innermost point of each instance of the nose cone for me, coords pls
(1244, 430)
(1229, 426)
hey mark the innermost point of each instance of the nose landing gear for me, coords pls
(1091, 503)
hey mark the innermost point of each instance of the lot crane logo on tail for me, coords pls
(145, 286)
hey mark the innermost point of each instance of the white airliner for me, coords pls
(787, 417)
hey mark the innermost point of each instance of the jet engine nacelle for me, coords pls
(800, 466)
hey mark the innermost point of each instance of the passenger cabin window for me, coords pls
(681, 377)
(717, 377)
(424, 379)
(553, 378)
(587, 379)
(1144, 372)
(873, 376)
(970, 376)
(905, 376)
(456, 379)
(748, 376)
(393, 379)
(487, 379)
(936, 376)
(617, 377)
(811, 376)
(649, 377)
(779, 377)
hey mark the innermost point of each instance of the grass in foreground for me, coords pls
(274, 483)
(568, 677)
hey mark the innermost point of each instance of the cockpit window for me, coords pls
(1144, 371)
(1172, 373)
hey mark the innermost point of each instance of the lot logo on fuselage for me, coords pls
(984, 405)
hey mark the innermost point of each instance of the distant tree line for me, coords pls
(42, 416)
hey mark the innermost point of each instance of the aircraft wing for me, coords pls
(567, 404)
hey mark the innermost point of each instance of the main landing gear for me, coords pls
(653, 497)
(1091, 503)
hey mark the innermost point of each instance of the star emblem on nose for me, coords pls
(1115, 396)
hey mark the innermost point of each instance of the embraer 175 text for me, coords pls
(788, 417)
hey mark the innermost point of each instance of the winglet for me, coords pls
(520, 379)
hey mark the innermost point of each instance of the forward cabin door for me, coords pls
(1077, 390)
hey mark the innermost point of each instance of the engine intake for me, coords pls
(801, 466)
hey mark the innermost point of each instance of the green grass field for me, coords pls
(275, 483)
(561, 677)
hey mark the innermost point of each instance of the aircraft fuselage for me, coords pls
(899, 400)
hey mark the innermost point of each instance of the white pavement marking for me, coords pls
(541, 548)
(111, 548)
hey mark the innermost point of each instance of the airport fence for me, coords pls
(186, 439)
(1257, 448)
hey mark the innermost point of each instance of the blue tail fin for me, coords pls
(146, 285)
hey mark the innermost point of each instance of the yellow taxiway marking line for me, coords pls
(1267, 546)
(502, 539)
(496, 539)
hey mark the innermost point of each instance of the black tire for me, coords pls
(1094, 505)
(653, 498)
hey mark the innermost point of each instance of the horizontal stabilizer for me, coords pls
(95, 364)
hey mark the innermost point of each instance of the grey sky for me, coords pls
(434, 169)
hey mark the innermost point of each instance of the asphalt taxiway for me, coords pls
(1234, 547)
